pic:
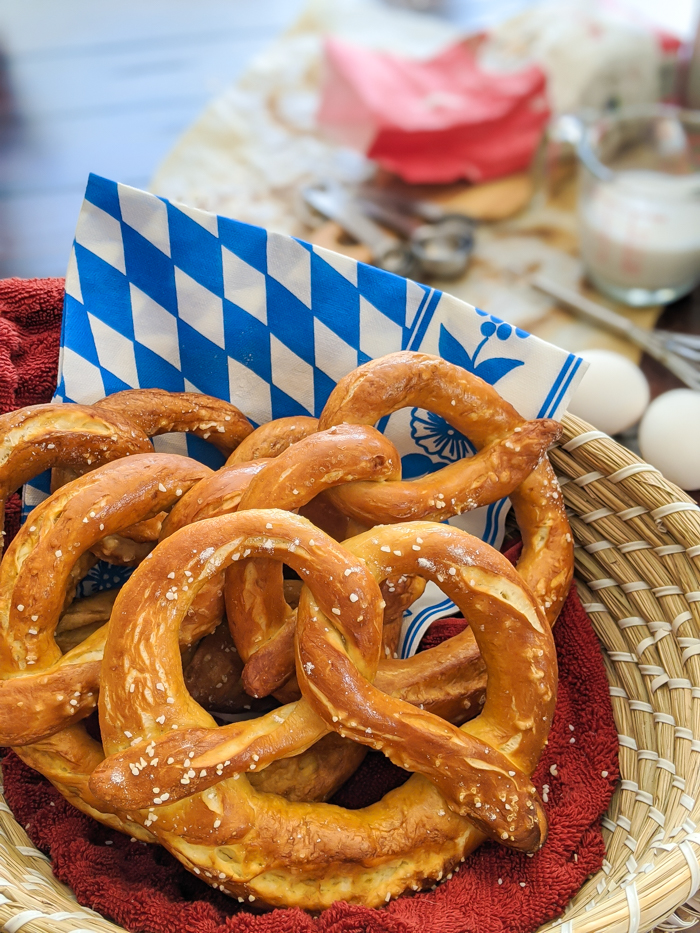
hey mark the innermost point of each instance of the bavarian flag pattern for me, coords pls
(159, 294)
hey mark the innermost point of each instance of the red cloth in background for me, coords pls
(30, 331)
(433, 121)
(145, 889)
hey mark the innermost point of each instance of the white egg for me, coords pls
(669, 437)
(613, 393)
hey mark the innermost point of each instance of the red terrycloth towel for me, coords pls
(145, 889)
(30, 332)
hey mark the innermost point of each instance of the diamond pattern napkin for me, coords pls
(159, 294)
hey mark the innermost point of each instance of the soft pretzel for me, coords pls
(41, 690)
(156, 412)
(219, 494)
(273, 438)
(73, 680)
(472, 406)
(263, 625)
(40, 437)
(261, 622)
(259, 845)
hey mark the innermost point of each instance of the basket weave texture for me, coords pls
(638, 574)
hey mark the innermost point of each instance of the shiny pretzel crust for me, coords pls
(301, 854)
(407, 380)
(156, 412)
(41, 690)
(40, 437)
(273, 438)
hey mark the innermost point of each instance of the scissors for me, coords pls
(336, 203)
(440, 246)
(441, 242)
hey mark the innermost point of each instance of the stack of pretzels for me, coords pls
(208, 623)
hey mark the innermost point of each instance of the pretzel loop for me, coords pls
(42, 691)
(473, 407)
(40, 437)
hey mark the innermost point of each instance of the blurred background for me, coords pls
(303, 115)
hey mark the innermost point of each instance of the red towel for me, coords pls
(30, 331)
(144, 889)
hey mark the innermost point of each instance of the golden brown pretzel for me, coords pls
(42, 691)
(39, 437)
(156, 412)
(261, 622)
(219, 494)
(262, 625)
(295, 854)
(407, 379)
(273, 438)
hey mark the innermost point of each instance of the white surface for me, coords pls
(669, 437)
(613, 393)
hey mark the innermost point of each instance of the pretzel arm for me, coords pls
(218, 494)
(40, 437)
(448, 680)
(36, 706)
(273, 438)
(156, 412)
(459, 487)
(270, 663)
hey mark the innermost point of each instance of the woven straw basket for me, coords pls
(638, 574)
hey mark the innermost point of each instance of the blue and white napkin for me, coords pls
(163, 295)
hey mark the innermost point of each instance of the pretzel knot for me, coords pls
(183, 778)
